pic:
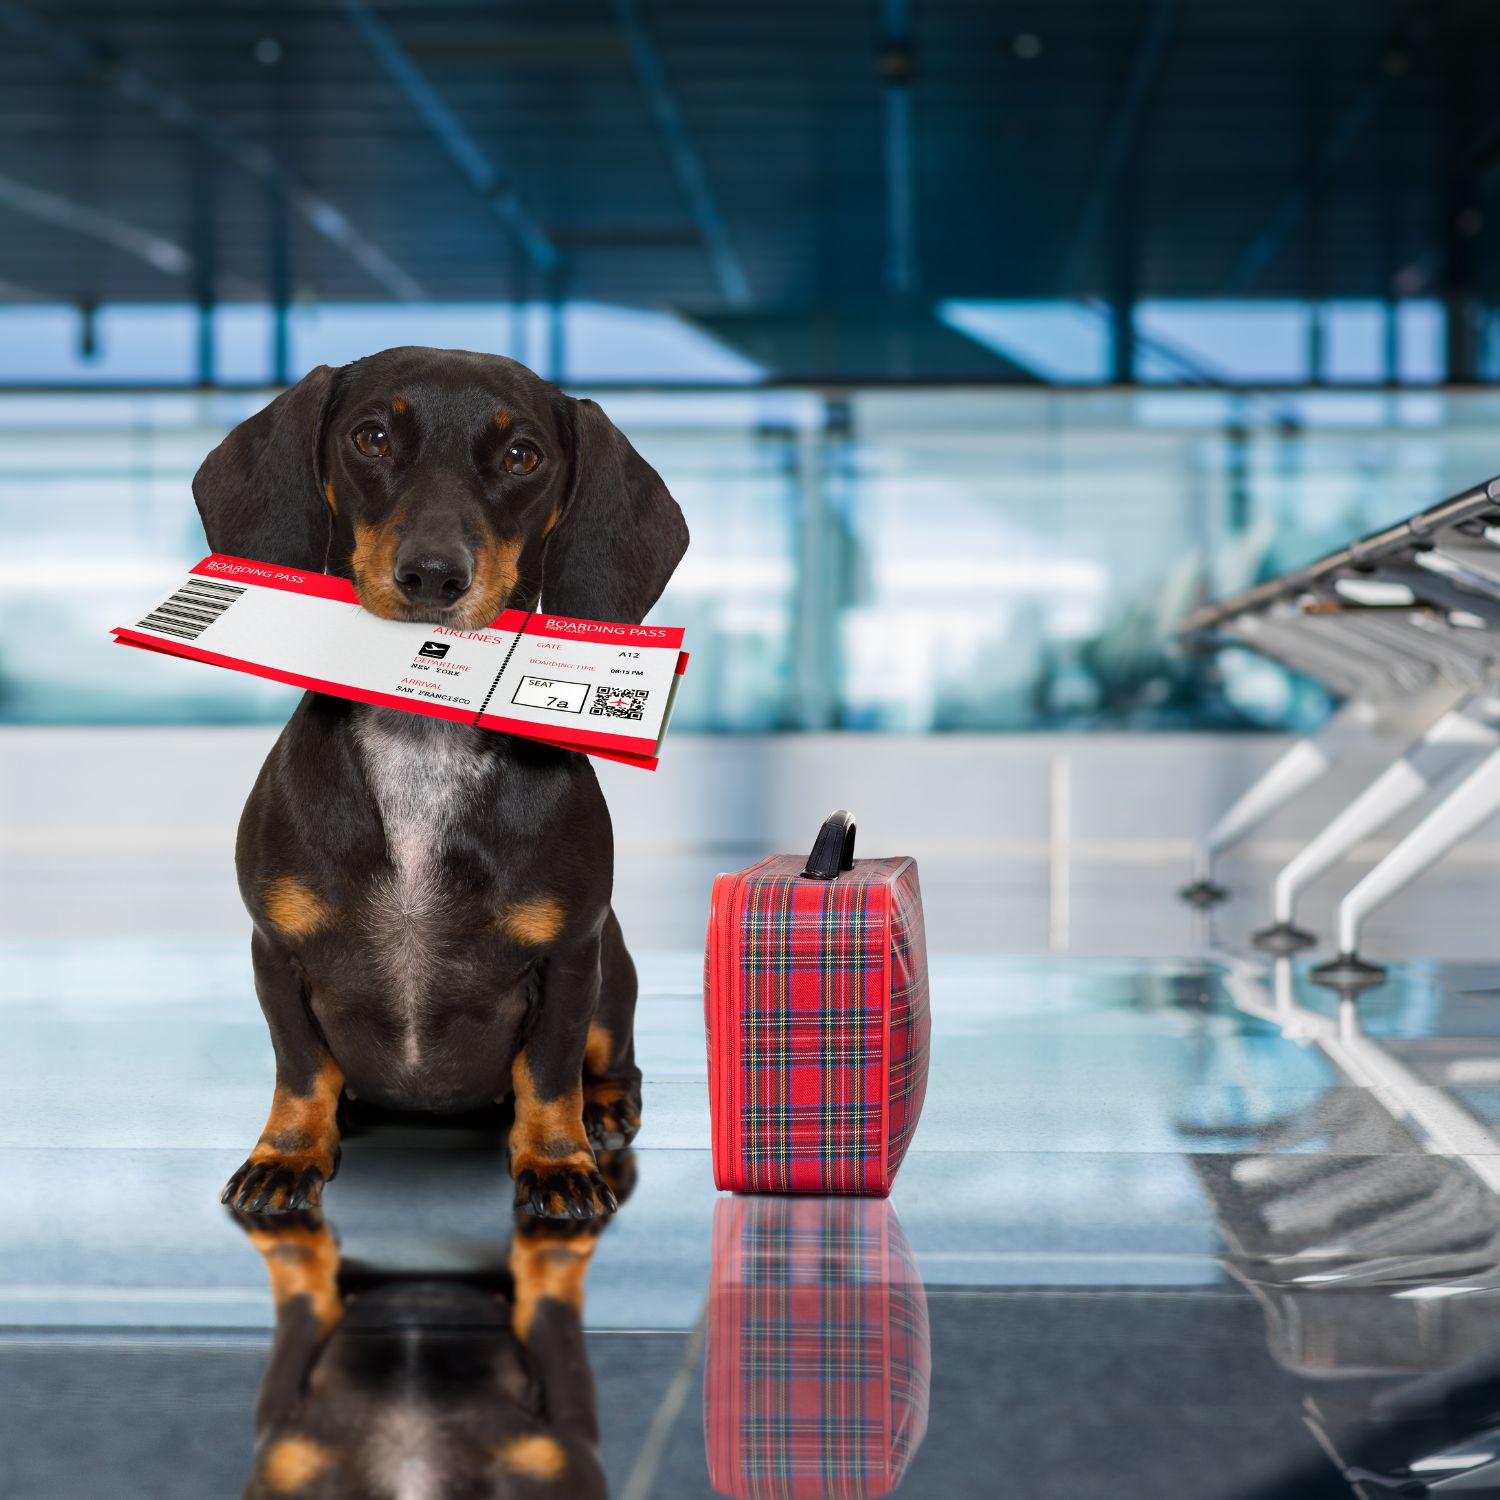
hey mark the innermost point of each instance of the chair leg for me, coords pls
(1437, 759)
(1467, 805)
(1306, 761)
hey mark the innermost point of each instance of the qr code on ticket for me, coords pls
(619, 703)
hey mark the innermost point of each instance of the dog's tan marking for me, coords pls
(497, 564)
(533, 1455)
(302, 1260)
(599, 1050)
(398, 405)
(302, 1129)
(604, 1092)
(293, 1463)
(532, 922)
(545, 1265)
(547, 1134)
(295, 909)
(373, 565)
(333, 504)
(503, 419)
(551, 520)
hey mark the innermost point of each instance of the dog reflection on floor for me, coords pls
(412, 1387)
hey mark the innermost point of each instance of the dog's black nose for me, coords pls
(434, 578)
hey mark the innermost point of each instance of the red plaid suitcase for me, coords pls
(815, 1001)
(819, 1364)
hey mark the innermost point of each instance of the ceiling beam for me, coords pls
(1477, 173)
(498, 192)
(47, 207)
(12, 293)
(128, 82)
(154, 250)
(1395, 62)
(687, 164)
(1118, 144)
(1269, 242)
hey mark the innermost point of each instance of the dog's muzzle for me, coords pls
(433, 577)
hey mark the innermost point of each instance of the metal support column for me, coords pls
(822, 544)
(898, 67)
(280, 257)
(204, 261)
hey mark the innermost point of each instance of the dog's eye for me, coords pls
(521, 458)
(372, 440)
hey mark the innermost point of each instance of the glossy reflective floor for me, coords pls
(1174, 1229)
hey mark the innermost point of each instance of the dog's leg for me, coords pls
(302, 1263)
(549, 1262)
(551, 1160)
(298, 1151)
(611, 1080)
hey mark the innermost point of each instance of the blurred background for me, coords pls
(979, 342)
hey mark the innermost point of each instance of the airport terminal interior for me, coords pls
(1087, 418)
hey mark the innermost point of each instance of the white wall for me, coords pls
(1026, 843)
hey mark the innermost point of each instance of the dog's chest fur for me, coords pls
(427, 778)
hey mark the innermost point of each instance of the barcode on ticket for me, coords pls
(193, 608)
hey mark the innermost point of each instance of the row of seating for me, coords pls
(1403, 627)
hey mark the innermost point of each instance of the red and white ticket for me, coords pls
(584, 685)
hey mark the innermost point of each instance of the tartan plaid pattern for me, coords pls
(830, 1078)
(819, 1360)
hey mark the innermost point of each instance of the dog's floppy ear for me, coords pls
(260, 492)
(619, 534)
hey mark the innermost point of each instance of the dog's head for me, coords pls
(447, 486)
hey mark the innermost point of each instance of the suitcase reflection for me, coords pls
(819, 1362)
(475, 1383)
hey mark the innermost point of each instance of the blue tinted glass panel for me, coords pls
(131, 345)
(1066, 343)
(1249, 342)
(1421, 342)
(1354, 342)
(243, 337)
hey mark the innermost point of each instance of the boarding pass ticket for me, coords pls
(588, 685)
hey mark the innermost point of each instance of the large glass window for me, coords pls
(97, 520)
(891, 560)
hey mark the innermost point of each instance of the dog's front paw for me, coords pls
(611, 1114)
(275, 1182)
(566, 1189)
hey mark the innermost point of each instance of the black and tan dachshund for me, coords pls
(429, 1384)
(431, 901)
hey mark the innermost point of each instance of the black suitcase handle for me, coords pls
(833, 849)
